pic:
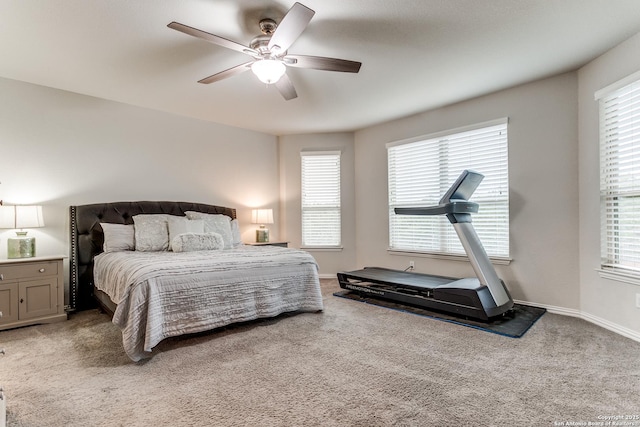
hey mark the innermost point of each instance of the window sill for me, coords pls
(450, 257)
(322, 248)
(619, 276)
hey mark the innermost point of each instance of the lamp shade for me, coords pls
(7, 217)
(21, 217)
(262, 216)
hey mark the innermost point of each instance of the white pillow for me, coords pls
(236, 238)
(189, 242)
(180, 225)
(152, 232)
(215, 223)
(118, 237)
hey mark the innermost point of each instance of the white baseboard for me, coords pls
(621, 330)
(603, 323)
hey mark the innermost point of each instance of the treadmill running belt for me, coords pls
(399, 278)
(514, 325)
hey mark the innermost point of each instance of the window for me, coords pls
(620, 175)
(423, 168)
(321, 199)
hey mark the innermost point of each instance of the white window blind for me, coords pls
(421, 170)
(620, 177)
(321, 217)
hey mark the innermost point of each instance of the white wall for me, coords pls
(60, 149)
(601, 298)
(543, 174)
(329, 261)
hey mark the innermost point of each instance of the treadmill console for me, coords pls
(463, 187)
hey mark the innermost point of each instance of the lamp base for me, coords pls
(262, 235)
(21, 246)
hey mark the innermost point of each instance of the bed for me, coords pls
(203, 279)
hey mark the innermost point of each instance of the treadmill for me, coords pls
(482, 297)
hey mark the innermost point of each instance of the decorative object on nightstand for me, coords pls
(21, 217)
(262, 217)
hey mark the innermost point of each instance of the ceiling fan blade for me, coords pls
(322, 63)
(286, 89)
(227, 73)
(290, 28)
(212, 38)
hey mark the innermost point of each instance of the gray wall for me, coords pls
(60, 149)
(543, 183)
(603, 299)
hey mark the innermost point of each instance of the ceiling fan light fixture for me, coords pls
(268, 71)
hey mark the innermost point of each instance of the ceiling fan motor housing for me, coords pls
(268, 26)
(261, 44)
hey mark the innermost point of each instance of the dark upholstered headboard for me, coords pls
(87, 237)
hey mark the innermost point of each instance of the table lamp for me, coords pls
(21, 217)
(262, 217)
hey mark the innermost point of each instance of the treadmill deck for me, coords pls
(462, 297)
(386, 276)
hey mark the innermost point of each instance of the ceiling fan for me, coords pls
(269, 51)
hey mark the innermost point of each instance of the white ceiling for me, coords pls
(416, 54)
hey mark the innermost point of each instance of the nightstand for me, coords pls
(31, 291)
(281, 244)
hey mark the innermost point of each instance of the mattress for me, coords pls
(165, 294)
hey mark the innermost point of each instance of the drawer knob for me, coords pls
(1, 276)
(41, 270)
(21, 300)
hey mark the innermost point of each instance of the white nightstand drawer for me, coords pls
(28, 270)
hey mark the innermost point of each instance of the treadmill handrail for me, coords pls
(454, 207)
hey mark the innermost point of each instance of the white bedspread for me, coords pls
(164, 294)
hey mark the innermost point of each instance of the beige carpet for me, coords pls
(352, 365)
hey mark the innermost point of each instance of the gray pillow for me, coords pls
(180, 225)
(236, 239)
(118, 237)
(152, 232)
(215, 223)
(189, 242)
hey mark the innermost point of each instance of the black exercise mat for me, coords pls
(513, 325)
